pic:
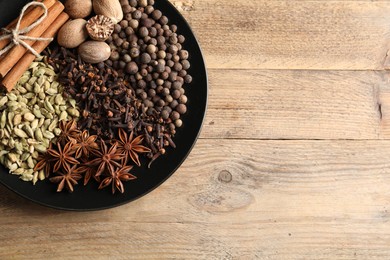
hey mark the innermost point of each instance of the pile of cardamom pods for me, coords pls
(29, 119)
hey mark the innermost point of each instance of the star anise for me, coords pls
(63, 157)
(44, 162)
(131, 147)
(69, 130)
(116, 177)
(88, 171)
(106, 158)
(67, 179)
(85, 144)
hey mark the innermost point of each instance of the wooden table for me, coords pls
(293, 161)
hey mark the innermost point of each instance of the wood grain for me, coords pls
(297, 104)
(231, 200)
(318, 35)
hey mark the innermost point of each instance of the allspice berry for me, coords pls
(78, 8)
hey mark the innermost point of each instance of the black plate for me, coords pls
(88, 197)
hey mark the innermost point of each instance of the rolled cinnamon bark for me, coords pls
(17, 71)
(12, 57)
(29, 17)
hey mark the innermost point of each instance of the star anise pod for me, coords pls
(131, 147)
(88, 171)
(116, 178)
(69, 130)
(106, 158)
(67, 179)
(44, 162)
(85, 144)
(63, 157)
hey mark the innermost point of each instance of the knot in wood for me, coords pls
(225, 176)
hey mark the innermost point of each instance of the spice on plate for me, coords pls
(100, 27)
(73, 33)
(78, 8)
(98, 159)
(29, 120)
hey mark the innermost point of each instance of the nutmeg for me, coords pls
(94, 51)
(109, 8)
(72, 33)
(78, 8)
(100, 27)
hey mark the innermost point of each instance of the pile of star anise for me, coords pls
(78, 155)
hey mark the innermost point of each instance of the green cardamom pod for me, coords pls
(40, 148)
(48, 134)
(3, 119)
(28, 130)
(17, 119)
(38, 134)
(49, 106)
(20, 133)
(29, 117)
(3, 101)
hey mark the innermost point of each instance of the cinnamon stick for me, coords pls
(13, 56)
(30, 16)
(23, 64)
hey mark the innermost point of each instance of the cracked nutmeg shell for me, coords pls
(100, 27)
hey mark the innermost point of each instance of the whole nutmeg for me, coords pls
(94, 51)
(100, 27)
(78, 8)
(109, 8)
(72, 33)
